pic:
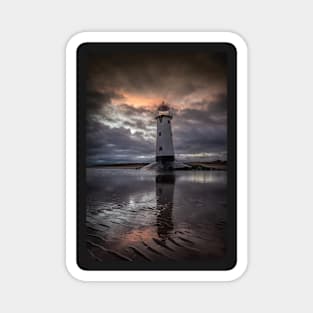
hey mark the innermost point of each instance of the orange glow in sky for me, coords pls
(139, 100)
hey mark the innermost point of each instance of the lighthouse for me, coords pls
(164, 148)
(164, 138)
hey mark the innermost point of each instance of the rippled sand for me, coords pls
(140, 215)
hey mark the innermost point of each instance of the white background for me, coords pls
(32, 165)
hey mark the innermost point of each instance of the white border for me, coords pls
(242, 156)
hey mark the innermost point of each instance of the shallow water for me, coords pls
(147, 216)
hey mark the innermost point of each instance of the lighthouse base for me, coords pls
(166, 165)
(165, 158)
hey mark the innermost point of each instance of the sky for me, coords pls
(124, 91)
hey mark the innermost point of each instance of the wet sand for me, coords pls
(140, 215)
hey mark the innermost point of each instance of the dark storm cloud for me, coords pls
(125, 90)
(202, 130)
(174, 74)
(96, 101)
(211, 112)
(107, 144)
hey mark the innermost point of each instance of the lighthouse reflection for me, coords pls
(165, 185)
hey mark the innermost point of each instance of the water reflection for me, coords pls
(164, 186)
(148, 216)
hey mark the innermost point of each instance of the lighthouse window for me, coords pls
(160, 149)
(160, 119)
(159, 133)
(168, 121)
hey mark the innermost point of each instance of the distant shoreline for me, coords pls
(215, 165)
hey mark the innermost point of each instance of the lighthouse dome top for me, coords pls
(164, 110)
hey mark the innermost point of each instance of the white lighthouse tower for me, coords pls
(164, 139)
(164, 149)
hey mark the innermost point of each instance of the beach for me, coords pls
(137, 215)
